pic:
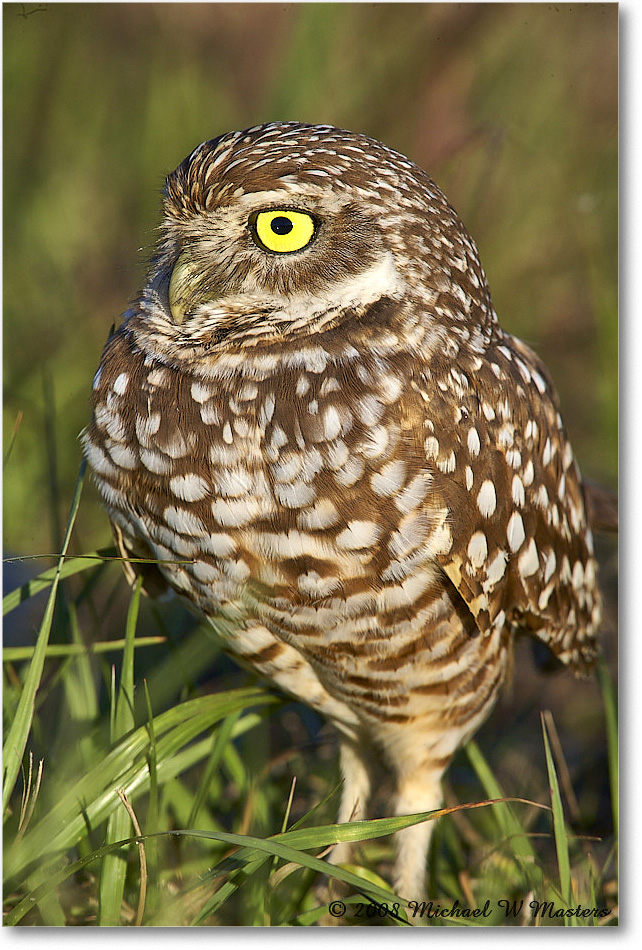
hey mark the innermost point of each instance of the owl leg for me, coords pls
(417, 791)
(355, 795)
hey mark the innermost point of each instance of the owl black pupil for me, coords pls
(281, 225)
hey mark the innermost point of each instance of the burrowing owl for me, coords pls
(312, 407)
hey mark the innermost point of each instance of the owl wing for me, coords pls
(504, 476)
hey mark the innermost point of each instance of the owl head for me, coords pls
(285, 231)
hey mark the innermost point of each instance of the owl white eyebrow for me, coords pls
(381, 279)
(289, 191)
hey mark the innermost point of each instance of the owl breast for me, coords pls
(268, 494)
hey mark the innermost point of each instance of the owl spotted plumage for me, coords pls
(312, 418)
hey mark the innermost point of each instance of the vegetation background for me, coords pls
(512, 109)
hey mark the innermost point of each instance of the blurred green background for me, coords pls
(511, 108)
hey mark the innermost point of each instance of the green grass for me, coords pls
(136, 795)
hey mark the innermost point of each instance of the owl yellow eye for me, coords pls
(283, 231)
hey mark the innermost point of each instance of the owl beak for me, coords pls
(181, 288)
(188, 289)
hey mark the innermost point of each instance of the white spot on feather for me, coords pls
(314, 585)
(289, 544)
(200, 392)
(517, 491)
(478, 549)
(248, 392)
(329, 385)
(514, 458)
(376, 442)
(414, 493)
(545, 596)
(487, 499)
(539, 381)
(541, 498)
(358, 535)
(431, 445)
(158, 377)
(237, 571)
(496, 569)
(184, 521)
(279, 438)
(120, 384)
(210, 414)
(351, 472)
(267, 410)
(337, 454)
(155, 462)
(205, 572)
(296, 495)
(97, 458)
(176, 446)
(322, 514)
(122, 455)
(288, 466)
(528, 562)
(369, 410)
(506, 434)
(413, 531)
(232, 513)
(578, 576)
(474, 445)
(391, 388)
(551, 562)
(115, 427)
(113, 497)
(241, 427)
(331, 423)
(515, 532)
(189, 487)
(218, 544)
(234, 482)
(302, 385)
(448, 464)
(389, 479)
(547, 453)
(147, 426)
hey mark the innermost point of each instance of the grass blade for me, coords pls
(53, 650)
(221, 739)
(93, 798)
(71, 566)
(152, 817)
(114, 867)
(559, 827)
(508, 823)
(16, 741)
